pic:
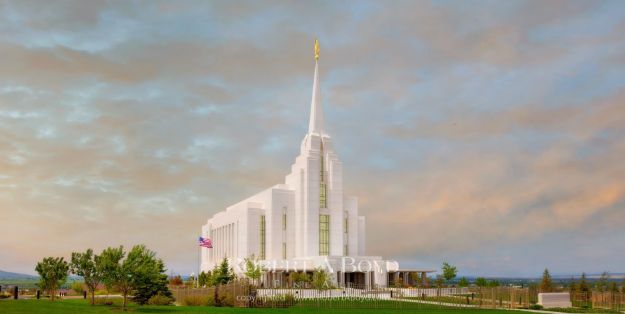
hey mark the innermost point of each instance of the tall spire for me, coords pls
(316, 111)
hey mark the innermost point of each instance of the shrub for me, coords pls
(282, 300)
(198, 300)
(77, 287)
(160, 299)
(536, 307)
(103, 301)
(226, 297)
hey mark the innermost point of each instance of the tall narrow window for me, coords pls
(284, 221)
(283, 250)
(262, 237)
(322, 181)
(345, 235)
(324, 234)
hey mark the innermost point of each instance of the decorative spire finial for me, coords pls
(316, 49)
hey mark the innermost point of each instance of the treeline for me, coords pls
(603, 284)
(223, 274)
(137, 273)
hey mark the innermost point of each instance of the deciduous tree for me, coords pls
(140, 273)
(449, 271)
(253, 270)
(320, 279)
(87, 266)
(481, 282)
(300, 278)
(176, 281)
(463, 282)
(53, 272)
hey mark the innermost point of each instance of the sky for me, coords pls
(488, 134)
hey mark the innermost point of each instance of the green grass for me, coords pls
(81, 306)
(581, 310)
(448, 299)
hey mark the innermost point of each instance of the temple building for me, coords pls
(301, 224)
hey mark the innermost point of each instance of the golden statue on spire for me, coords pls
(316, 49)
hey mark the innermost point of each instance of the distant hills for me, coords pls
(12, 276)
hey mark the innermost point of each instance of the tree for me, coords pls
(493, 283)
(623, 286)
(546, 284)
(176, 280)
(613, 287)
(77, 286)
(140, 273)
(584, 288)
(204, 279)
(113, 271)
(481, 282)
(573, 286)
(253, 270)
(223, 274)
(87, 266)
(416, 278)
(53, 272)
(440, 281)
(398, 282)
(148, 275)
(463, 282)
(449, 271)
(300, 278)
(602, 283)
(320, 279)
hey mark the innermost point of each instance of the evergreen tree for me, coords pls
(602, 283)
(573, 286)
(222, 274)
(204, 279)
(149, 277)
(546, 284)
(584, 288)
(613, 287)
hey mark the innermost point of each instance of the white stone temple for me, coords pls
(303, 223)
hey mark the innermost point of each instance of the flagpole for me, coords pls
(197, 280)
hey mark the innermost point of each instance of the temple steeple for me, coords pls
(316, 111)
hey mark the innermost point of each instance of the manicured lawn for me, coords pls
(81, 306)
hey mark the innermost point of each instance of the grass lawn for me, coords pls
(81, 306)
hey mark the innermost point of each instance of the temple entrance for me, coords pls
(355, 280)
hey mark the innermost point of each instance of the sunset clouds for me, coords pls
(489, 134)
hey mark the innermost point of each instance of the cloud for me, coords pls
(478, 133)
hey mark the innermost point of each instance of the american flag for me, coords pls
(205, 242)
